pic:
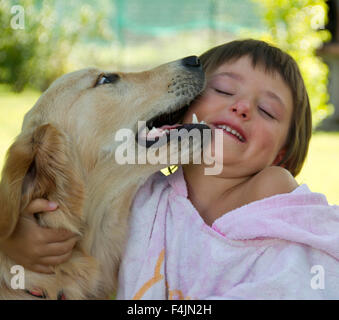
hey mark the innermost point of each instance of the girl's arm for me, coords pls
(38, 248)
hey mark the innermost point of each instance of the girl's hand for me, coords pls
(38, 248)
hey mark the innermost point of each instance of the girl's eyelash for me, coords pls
(223, 92)
(268, 114)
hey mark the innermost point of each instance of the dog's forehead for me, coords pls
(79, 78)
(63, 89)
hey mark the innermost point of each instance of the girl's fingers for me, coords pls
(39, 205)
(55, 260)
(47, 269)
(49, 247)
(52, 236)
(59, 248)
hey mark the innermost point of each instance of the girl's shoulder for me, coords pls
(271, 181)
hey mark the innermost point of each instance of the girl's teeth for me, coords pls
(234, 132)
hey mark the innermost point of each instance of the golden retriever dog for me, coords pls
(66, 152)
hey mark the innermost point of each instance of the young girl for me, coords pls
(248, 233)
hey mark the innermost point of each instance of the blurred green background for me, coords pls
(40, 40)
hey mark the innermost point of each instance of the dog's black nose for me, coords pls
(191, 62)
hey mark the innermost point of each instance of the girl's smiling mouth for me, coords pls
(230, 129)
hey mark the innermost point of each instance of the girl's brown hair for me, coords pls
(273, 60)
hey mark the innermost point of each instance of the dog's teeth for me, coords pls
(154, 130)
(144, 132)
(154, 133)
(194, 118)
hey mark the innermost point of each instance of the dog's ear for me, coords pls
(38, 165)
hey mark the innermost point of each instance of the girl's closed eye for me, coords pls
(227, 93)
(223, 86)
(266, 113)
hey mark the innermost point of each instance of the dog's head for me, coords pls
(73, 126)
(92, 105)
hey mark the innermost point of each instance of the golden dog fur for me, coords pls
(65, 153)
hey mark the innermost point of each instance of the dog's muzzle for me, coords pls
(185, 86)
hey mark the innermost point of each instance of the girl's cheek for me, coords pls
(189, 113)
(270, 144)
(196, 108)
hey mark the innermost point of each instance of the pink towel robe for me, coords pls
(282, 247)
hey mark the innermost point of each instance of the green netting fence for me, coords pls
(157, 17)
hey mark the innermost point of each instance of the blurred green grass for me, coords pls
(319, 173)
(12, 110)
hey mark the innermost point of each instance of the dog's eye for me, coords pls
(107, 78)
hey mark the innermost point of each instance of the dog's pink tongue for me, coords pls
(157, 132)
(168, 127)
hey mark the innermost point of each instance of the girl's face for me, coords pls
(257, 105)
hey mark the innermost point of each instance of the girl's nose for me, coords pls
(242, 109)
